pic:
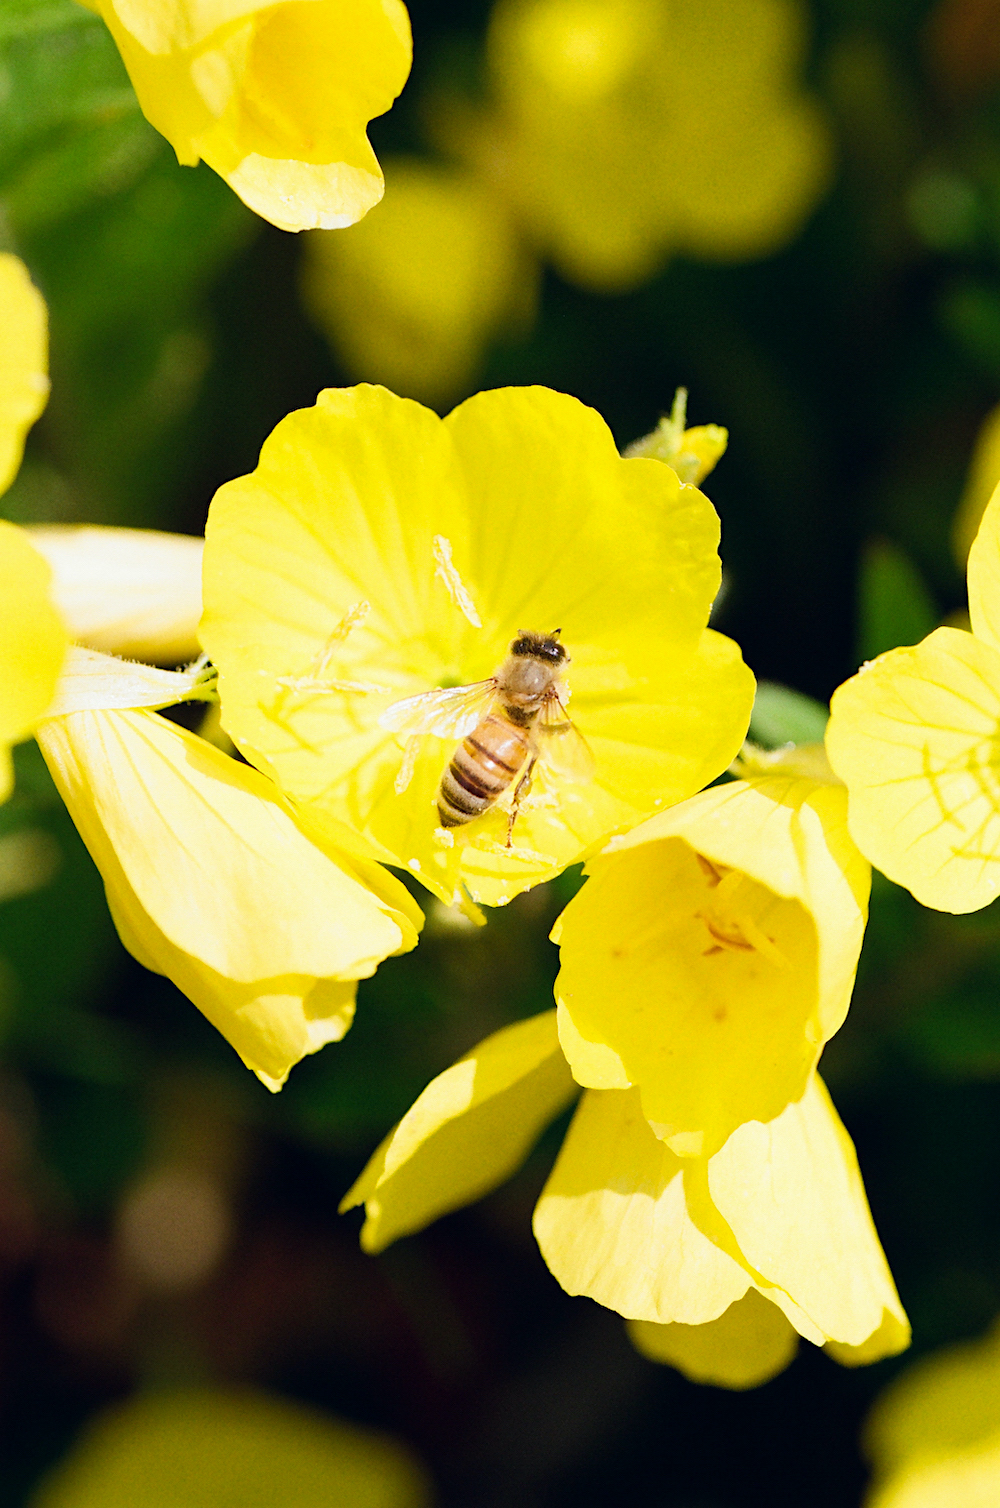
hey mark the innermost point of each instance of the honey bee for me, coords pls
(506, 725)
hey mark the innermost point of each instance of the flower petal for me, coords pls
(792, 1195)
(914, 738)
(274, 97)
(614, 1221)
(24, 383)
(746, 1346)
(214, 884)
(715, 993)
(33, 643)
(134, 592)
(984, 575)
(469, 1130)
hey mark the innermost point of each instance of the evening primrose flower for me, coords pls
(933, 1436)
(712, 953)
(671, 1243)
(413, 294)
(209, 879)
(914, 737)
(378, 553)
(274, 96)
(706, 1184)
(624, 131)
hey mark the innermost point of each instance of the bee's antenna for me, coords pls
(555, 633)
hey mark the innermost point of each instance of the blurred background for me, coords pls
(794, 212)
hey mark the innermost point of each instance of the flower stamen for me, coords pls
(446, 569)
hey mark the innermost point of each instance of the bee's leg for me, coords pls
(521, 789)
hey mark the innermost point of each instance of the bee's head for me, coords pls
(539, 646)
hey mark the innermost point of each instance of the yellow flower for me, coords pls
(176, 1449)
(411, 296)
(379, 552)
(628, 130)
(134, 592)
(934, 1435)
(704, 964)
(274, 96)
(914, 737)
(712, 953)
(24, 383)
(33, 644)
(209, 879)
(670, 1242)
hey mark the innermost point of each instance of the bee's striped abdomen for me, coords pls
(482, 768)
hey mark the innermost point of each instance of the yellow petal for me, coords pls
(213, 884)
(745, 1347)
(469, 1130)
(182, 1449)
(712, 953)
(412, 295)
(615, 1221)
(33, 643)
(134, 592)
(914, 738)
(984, 576)
(24, 352)
(275, 97)
(378, 553)
(984, 474)
(792, 1195)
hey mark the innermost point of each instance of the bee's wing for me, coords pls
(451, 713)
(562, 748)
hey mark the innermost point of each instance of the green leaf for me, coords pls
(894, 605)
(781, 716)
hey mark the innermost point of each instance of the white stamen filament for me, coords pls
(454, 585)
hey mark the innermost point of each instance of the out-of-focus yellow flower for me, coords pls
(712, 953)
(134, 592)
(24, 358)
(33, 644)
(209, 879)
(379, 552)
(934, 1435)
(704, 964)
(203, 1447)
(411, 296)
(914, 737)
(984, 474)
(672, 1242)
(627, 130)
(274, 96)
